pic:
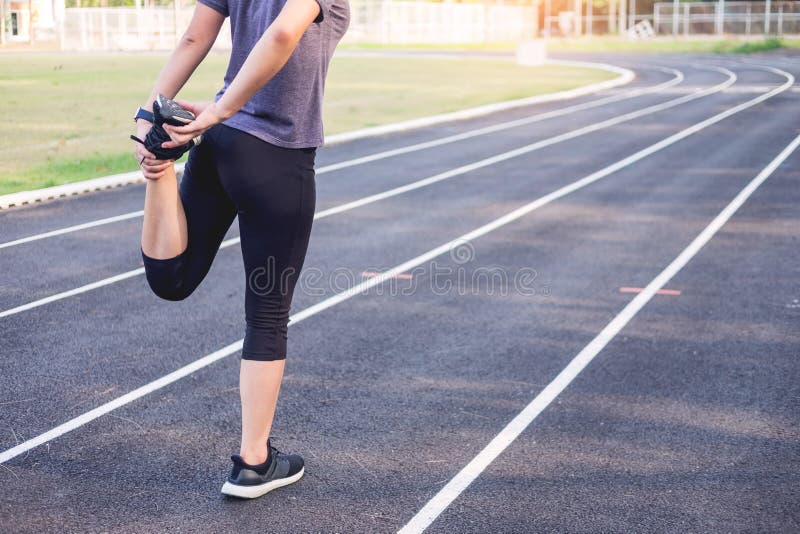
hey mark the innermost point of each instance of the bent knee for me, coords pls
(165, 277)
(167, 291)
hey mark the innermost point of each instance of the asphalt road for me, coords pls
(687, 420)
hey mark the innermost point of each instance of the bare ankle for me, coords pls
(254, 456)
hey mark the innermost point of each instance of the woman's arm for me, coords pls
(267, 57)
(188, 54)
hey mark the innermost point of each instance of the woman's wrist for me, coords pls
(222, 111)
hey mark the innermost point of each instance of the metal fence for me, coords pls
(374, 21)
(742, 18)
(426, 22)
(678, 18)
(122, 28)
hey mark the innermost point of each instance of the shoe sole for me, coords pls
(251, 492)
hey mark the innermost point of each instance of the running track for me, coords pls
(554, 400)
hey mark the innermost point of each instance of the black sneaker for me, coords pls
(166, 111)
(170, 112)
(250, 481)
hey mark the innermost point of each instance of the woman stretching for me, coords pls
(255, 161)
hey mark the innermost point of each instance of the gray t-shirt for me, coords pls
(287, 111)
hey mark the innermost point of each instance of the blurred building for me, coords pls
(28, 20)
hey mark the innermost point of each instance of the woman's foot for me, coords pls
(250, 481)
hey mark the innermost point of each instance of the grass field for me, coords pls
(68, 116)
(613, 44)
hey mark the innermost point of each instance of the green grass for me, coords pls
(612, 44)
(68, 116)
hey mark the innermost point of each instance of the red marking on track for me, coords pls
(674, 292)
(370, 274)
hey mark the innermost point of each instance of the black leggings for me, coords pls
(272, 191)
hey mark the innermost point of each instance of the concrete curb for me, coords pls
(76, 188)
(23, 198)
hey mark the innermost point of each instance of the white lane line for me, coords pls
(678, 77)
(75, 228)
(513, 429)
(420, 183)
(72, 292)
(625, 76)
(518, 213)
(120, 401)
(538, 145)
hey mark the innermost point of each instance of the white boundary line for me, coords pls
(700, 93)
(625, 76)
(72, 292)
(677, 79)
(423, 519)
(107, 182)
(74, 228)
(87, 417)
(422, 182)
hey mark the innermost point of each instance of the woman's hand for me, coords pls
(207, 115)
(152, 168)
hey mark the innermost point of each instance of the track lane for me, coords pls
(158, 441)
(689, 419)
(440, 502)
(215, 308)
(385, 176)
(333, 386)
